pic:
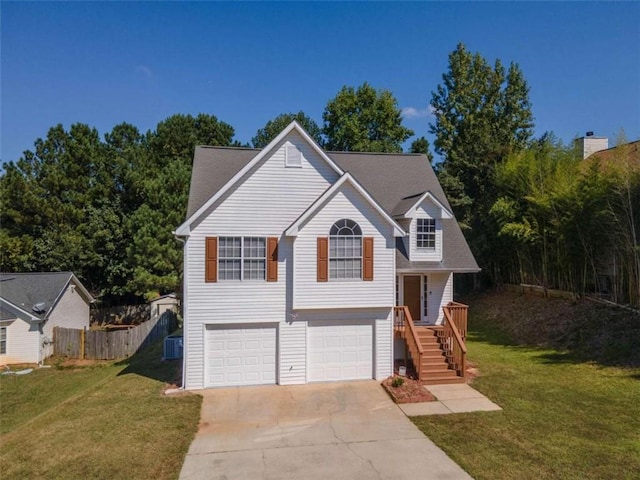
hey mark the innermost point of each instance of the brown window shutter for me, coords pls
(211, 259)
(323, 259)
(367, 258)
(272, 259)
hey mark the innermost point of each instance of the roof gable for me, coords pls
(407, 207)
(293, 230)
(185, 227)
(26, 290)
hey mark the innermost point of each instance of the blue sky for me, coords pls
(106, 63)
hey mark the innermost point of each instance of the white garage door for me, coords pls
(240, 355)
(340, 351)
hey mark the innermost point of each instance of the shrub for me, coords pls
(397, 382)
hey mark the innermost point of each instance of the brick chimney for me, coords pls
(590, 144)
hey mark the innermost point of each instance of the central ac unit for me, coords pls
(172, 347)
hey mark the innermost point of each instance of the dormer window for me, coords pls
(345, 250)
(426, 234)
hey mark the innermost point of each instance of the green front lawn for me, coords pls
(562, 418)
(104, 421)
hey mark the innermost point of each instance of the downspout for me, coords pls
(184, 311)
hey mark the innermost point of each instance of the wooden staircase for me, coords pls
(437, 352)
(434, 367)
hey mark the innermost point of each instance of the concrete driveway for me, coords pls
(347, 430)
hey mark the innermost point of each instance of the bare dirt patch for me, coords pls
(588, 330)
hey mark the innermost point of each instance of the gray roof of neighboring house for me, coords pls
(6, 314)
(25, 290)
(395, 180)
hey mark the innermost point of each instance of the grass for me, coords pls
(563, 417)
(103, 421)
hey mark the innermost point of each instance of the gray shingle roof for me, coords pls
(395, 180)
(25, 290)
(212, 168)
(6, 314)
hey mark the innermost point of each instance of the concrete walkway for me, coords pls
(458, 398)
(345, 430)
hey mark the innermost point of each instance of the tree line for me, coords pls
(530, 208)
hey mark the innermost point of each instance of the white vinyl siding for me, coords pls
(383, 341)
(340, 350)
(293, 156)
(293, 352)
(240, 355)
(309, 293)
(22, 342)
(440, 294)
(71, 311)
(262, 204)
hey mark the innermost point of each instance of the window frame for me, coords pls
(244, 259)
(3, 339)
(339, 263)
(426, 233)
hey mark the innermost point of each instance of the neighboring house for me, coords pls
(295, 258)
(31, 305)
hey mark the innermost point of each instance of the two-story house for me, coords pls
(296, 261)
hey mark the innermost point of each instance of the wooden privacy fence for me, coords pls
(111, 345)
(122, 315)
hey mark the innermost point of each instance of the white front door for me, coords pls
(340, 350)
(240, 355)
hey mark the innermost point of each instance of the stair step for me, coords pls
(434, 361)
(441, 380)
(434, 355)
(433, 367)
(438, 372)
(432, 350)
(429, 340)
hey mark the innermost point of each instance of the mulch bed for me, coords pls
(411, 391)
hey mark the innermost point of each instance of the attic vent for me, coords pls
(293, 156)
(38, 307)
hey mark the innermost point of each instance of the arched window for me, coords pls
(345, 250)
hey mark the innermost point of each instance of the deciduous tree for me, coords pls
(364, 119)
(273, 128)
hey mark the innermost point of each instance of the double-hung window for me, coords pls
(345, 250)
(242, 258)
(426, 234)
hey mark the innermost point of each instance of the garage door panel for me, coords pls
(340, 350)
(240, 355)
